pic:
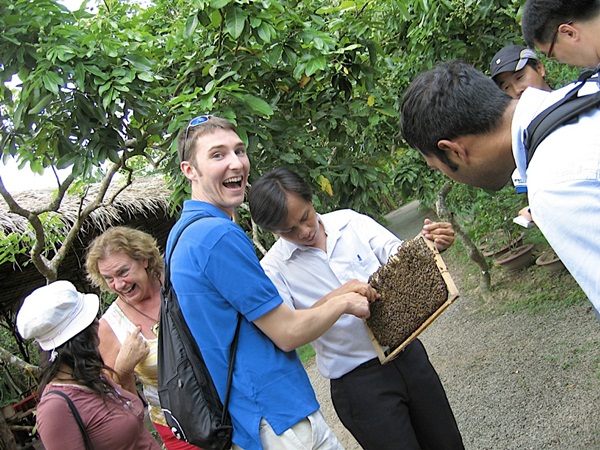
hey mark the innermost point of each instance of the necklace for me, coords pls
(69, 378)
(64, 379)
(154, 327)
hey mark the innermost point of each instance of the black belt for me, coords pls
(369, 363)
(374, 361)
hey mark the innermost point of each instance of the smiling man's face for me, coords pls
(219, 169)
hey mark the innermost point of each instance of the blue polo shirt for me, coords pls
(216, 273)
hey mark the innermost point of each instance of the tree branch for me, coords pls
(472, 251)
(32, 217)
(255, 236)
(84, 213)
(34, 371)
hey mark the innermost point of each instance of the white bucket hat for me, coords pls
(55, 313)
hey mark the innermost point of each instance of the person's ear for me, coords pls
(541, 69)
(570, 31)
(188, 170)
(454, 150)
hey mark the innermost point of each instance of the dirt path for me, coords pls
(514, 380)
(321, 386)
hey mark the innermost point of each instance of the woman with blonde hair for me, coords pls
(128, 263)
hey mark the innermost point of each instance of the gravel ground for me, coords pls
(514, 380)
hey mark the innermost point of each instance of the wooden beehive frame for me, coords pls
(389, 354)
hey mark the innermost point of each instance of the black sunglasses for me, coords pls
(554, 38)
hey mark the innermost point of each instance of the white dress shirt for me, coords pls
(356, 247)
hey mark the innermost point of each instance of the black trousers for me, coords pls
(400, 405)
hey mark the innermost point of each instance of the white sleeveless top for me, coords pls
(147, 369)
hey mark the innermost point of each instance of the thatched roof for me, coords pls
(144, 205)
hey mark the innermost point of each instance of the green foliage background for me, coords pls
(313, 85)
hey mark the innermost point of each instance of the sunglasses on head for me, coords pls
(194, 123)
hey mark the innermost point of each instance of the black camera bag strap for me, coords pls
(220, 436)
(237, 329)
(565, 111)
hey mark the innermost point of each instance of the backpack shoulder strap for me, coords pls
(233, 349)
(167, 274)
(560, 113)
(86, 437)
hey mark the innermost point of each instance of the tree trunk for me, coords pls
(7, 440)
(472, 250)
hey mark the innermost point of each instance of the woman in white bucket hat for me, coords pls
(63, 322)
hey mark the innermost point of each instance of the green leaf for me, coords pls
(218, 4)
(113, 155)
(274, 54)
(258, 105)
(265, 32)
(36, 167)
(104, 88)
(140, 62)
(52, 81)
(314, 65)
(354, 177)
(80, 75)
(94, 70)
(107, 99)
(226, 75)
(101, 153)
(42, 104)
(190, 26)
(145, 76)
(234, 22)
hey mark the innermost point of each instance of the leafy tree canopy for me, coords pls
(310, 84)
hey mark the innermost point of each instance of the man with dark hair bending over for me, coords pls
(399, 405)
(474, 133)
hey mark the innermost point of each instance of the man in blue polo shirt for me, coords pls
(216, 275)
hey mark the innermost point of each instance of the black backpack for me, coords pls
(561, 113)
(188, 397)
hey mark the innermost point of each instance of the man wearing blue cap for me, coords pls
(515, 68)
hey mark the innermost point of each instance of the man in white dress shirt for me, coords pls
(399, 405)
